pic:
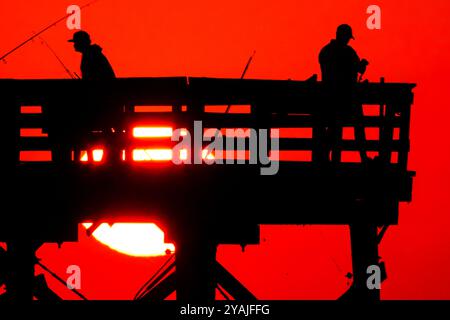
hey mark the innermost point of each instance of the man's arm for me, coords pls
(360, 65)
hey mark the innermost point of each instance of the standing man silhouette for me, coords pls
(100, 113)
(340, 67)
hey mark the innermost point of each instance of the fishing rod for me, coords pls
(54, 275)
(146, 287)
(57, 57)
(216, 135)
(3, 57)
(243, 74)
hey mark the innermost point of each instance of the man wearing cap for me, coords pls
(341, 66)
(339, 62)
(94, 64)
(99, 113)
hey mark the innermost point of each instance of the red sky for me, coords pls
(214, 39)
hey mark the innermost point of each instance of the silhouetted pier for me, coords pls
(199, 206)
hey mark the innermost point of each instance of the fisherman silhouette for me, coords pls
(340, 67)
(94, 64)
(100, 114)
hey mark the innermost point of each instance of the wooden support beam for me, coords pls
(364, 244)
(195, 271)
(20, 281)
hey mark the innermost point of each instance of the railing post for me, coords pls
(387, 134)
(195, 269)
(405, 123)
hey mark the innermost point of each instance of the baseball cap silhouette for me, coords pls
(345, 30)
(80, 36)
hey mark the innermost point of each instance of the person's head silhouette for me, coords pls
(344, 33)
(81, 41)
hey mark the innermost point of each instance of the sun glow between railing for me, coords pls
(147, 154)
(152, 132)
(152, 154)
(155, 132)
(97, 155)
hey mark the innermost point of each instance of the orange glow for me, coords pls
(32, 132)
(228, 132)
(133, 239)
(84, 156)
(152, 132)
(164, 155)
(155, 132)
(97, 155)
(31, 109)
(231, 109)
(152, 154)
(153, 109)
(412, 46)
(39, 156)
(183, 154)
(206, 154)
(146, 154)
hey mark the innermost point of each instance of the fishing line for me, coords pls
(57, 57)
